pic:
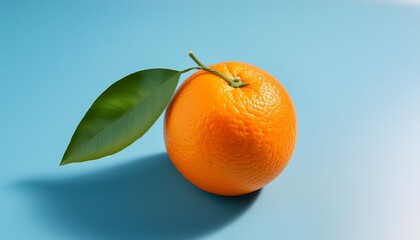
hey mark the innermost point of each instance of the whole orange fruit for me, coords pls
(230, 141)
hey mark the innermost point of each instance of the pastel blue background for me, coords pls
(352, 68)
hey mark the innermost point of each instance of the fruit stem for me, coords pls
(235, 82)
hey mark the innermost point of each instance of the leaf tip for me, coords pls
(64, 161)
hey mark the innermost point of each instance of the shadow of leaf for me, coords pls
(142, 199)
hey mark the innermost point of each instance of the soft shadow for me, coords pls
(143, 199)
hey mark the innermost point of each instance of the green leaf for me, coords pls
(121, 114)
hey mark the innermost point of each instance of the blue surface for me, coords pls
(352, 68)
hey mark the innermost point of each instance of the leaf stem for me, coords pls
(189, 69)
(234, 82)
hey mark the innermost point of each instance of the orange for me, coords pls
(230, 141)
